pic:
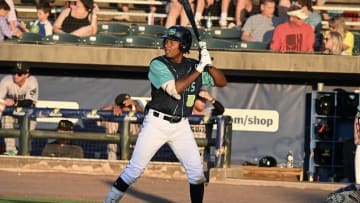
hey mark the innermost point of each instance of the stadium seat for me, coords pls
(356, 50)
(61, 38)
(29, 37)
(251, 46)
(117, 29)
(148, 30)
(102, 39)
(227, 34)
(141, 41)
(212, 43)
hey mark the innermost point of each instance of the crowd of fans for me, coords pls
(286, 25)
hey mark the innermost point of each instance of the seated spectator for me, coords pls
(260, 27)
(337, 24)
(294, 35)
(5, 29)
(175, 11)
(200, 6)
(243, 8)
(42, 25)
(313, 19)
(63, 147)
(123, 103)
(334, 44)
(79, 20)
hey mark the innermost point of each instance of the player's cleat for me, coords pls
(113, 196)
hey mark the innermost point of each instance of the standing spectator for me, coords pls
(313, 19)
(357, 150)
(123, 103)
(79, 20)
(175, 82)
(334, 44)
(260, 27)
(5, 29)
(12, 18)
(42, 25)
(18, 90)
(337, 24)
(294, 35)
(63, 147)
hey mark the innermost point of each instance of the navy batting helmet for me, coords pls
(181, 34)
(267, 161)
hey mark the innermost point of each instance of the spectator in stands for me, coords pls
(176, 10)
(243, 8)
(17, 90)
(334, 44)
(260, 27)
(80, 20)
(63, 147)
(200, 6)
(282, 9)
(12, 18)
(337, 24)
(123, 103)
(42, 25)
(5, 29)
(294, 35)
(313, 19)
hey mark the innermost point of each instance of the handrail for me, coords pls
(337, 8)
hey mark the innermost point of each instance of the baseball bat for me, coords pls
(191, 18)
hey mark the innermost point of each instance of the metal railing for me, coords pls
(222, 141)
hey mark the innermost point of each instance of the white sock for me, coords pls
(197, 16)
(223, 16)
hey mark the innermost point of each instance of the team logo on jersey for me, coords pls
(33, 92)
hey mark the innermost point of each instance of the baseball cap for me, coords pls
(21, 68)
(119, 100)
(65, 125)
(297, 12)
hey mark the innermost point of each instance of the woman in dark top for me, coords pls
(79, 20)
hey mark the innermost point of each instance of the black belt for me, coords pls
(171, 119)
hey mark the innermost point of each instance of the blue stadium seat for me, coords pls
(61, 38)
(212, 43)
(102, 39)
(227, 34)
(148, 30)
(141, 41)
(251, 46)
(117, 29)
(29, 37)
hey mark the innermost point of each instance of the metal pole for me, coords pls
(228, 142)
(24, 135)
(219, 145)
(125, 139)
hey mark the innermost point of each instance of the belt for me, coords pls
(171, 119)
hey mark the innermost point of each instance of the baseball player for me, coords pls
(17, 90)
(175, 82)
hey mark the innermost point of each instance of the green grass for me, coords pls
(31, 200)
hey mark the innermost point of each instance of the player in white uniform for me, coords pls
(17, 90)
(175, 82)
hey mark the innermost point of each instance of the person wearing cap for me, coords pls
(80, 20)
(122, 103)
(63, 147)
(18, 90)
(294, 35)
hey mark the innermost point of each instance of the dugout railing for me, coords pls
(221, 141)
